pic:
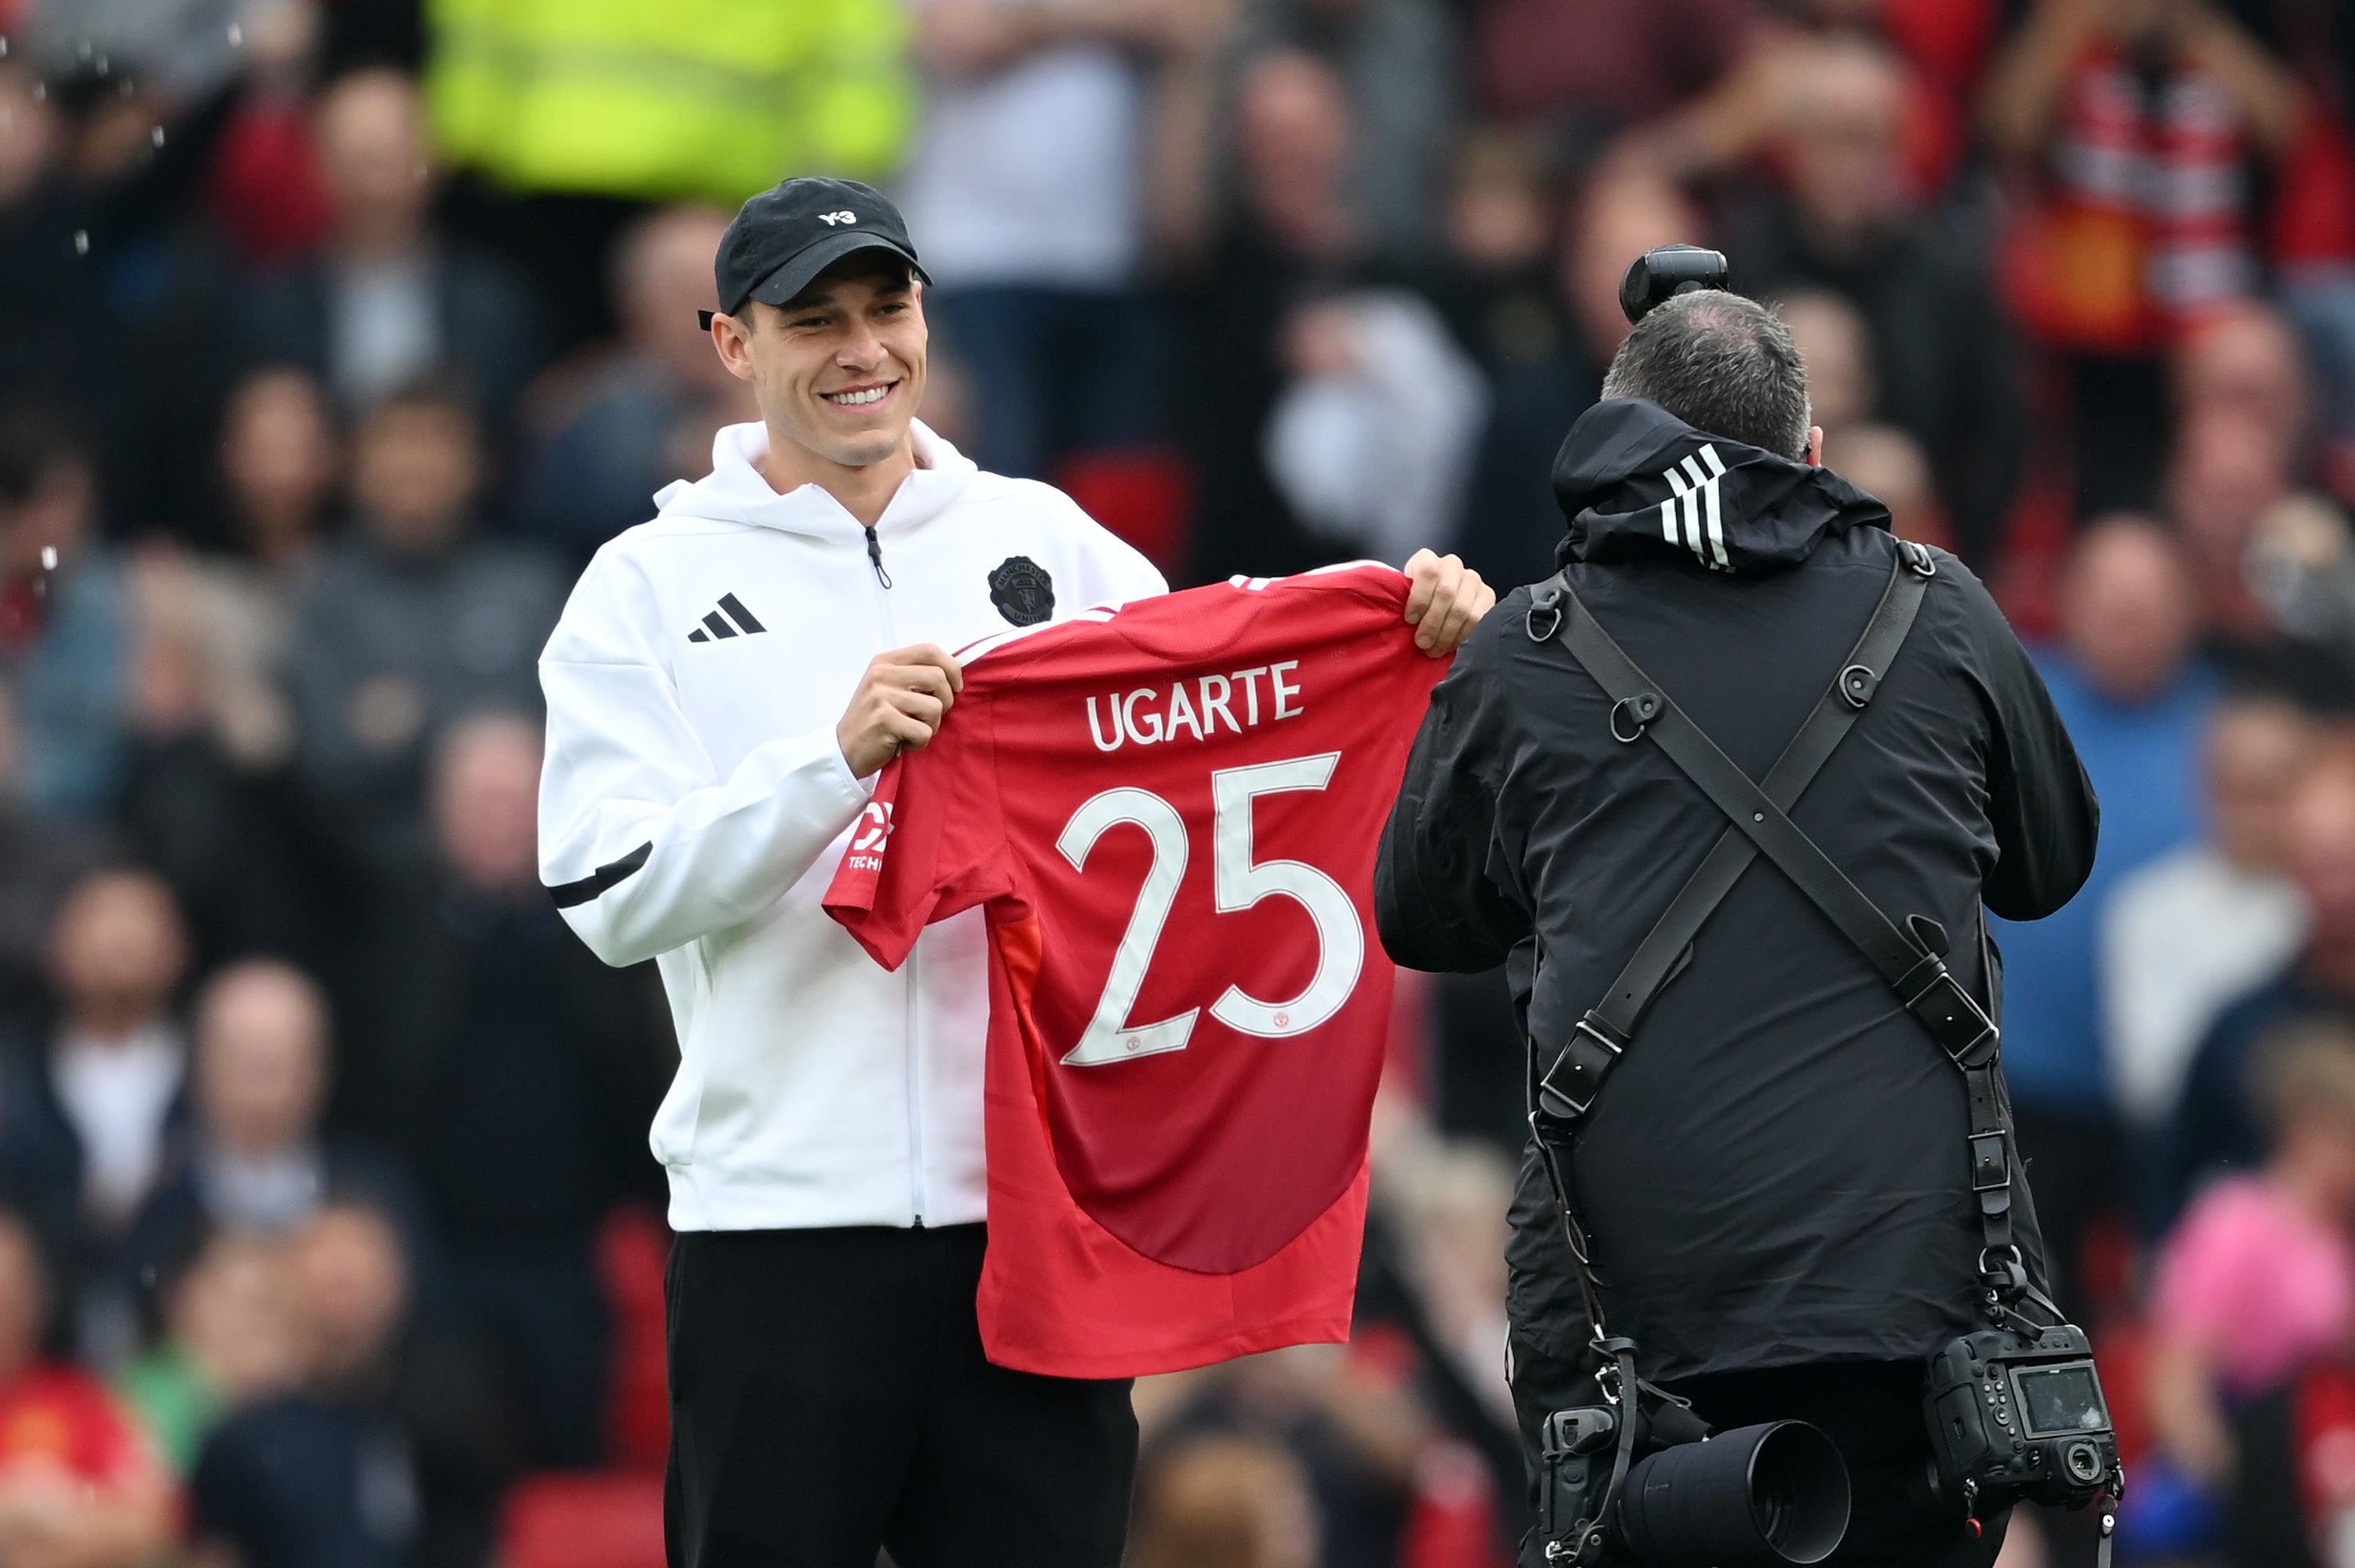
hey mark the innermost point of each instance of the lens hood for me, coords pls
(1753, 1498)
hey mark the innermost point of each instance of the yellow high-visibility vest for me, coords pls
(669, 98)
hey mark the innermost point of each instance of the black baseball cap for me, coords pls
(782, 239)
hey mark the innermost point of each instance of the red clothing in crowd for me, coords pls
(57, 1416)
(1541, 61)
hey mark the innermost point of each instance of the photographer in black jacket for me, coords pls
(1775, 1180)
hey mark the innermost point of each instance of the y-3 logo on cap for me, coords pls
(834, 218)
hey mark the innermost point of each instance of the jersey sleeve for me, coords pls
(929, 844)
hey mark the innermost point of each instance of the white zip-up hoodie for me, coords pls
(695, 803)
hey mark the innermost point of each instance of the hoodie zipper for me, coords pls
(914, 970)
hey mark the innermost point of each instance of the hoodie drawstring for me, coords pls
(875, 554)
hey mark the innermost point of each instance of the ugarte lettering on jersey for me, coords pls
(1195, 707)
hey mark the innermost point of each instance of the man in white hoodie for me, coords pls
(717, 713)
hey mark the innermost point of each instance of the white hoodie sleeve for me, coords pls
(644, 847)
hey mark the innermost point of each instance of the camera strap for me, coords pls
(1910, 958)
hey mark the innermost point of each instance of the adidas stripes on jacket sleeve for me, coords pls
(645, 846)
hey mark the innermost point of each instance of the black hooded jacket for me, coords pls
(1775, 1172)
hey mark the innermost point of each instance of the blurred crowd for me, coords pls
(327, 356)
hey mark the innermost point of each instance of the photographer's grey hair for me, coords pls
(1722, 364)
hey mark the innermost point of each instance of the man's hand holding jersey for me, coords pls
(901, 702)
(1446, 602)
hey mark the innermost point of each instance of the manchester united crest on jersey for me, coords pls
(1022, 591)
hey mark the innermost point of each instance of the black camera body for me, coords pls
(1763, 1496)
(2015, 1415)
(1577, 1448)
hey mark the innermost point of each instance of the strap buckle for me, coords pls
(2004, 1271)
(1545, 606)
(1918, 557)
(1858, 683)
(1951, 1015)
(1642, 709)
(1568, 1089)
(1990, 1161)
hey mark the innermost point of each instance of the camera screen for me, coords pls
(2054, 1400)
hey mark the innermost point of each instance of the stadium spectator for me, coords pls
(95, 174)
(1295, 229)
(206, 797)
(1229, 1502)
(1608, 65)
(2196, 929)
(1889, 465)
(258, 1162)
(1354, 1430)
(388, 299)
(411, 623)
(226, 1340)
(2258, 1281)
(1495, 282)
(1843, 217)
(41, 859)
(2238, 433)
(267, 193)
(1452, 1201)
(36, 349)
(1369, 443)
(385, 1456)
(2275, 558)
(1511, 521)
(93, 1098)
(1398, 61)
(280, 464)
(2243, 363)
(78, 1483)
(517, 1073)
(2136, 125)
(2214, 1126)
(1836, 341)
(2127, 681)
(647, 414)
(1029, 184)
(63, 633)
(1885, 462)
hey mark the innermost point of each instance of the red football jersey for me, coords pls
(1171, 813)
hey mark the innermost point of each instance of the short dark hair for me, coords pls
(1724, 364)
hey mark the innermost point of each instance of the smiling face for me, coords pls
(838, 372)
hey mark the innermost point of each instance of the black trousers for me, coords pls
(1870, 1410)
(829, 1399)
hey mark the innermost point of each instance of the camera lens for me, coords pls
(2083, 1462)
(1760, 1496)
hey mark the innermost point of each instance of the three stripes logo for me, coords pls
(730, 619)
(1694, 505)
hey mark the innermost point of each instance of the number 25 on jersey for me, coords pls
(1238, 883)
